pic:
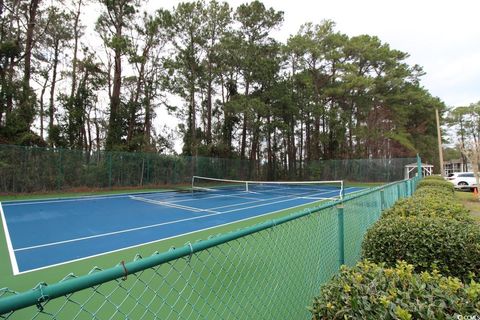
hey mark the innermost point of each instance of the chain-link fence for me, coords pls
(33, 169)
(267, 271)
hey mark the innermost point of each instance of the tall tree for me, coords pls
(112, 25)
(256, 23)
(10, 55)
(58, 33)
(218, 18)
(147, 61)
(466, 121)
(26, 112)
(187, 34)
(19, 34)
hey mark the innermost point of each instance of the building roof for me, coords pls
(414, 165)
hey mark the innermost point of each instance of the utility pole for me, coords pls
(439, 136)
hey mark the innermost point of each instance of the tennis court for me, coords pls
(44, 233)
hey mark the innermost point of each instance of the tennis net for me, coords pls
(303, 189)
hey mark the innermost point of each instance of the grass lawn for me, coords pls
(473, 204)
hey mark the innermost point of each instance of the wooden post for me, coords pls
(439, 136)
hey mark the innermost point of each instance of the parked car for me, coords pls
(462, 179)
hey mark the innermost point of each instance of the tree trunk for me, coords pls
(316, 138)
(209, 114)
(300, 154)
(97, 131)
(76, 33)
(134, 104)
(27, 111)
(193, 122)
(148, 118)
(114, 131)
(209, 108)
(42, 93)
(32, 15)
(51, 109)
(88, 147)
(255, 145)
(291, 149)
(308, 139)
(269, 150)
(9, 97)
(244, 127)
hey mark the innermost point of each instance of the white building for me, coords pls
(456, 165)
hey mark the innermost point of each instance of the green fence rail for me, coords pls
(34, 169)
(266, 271)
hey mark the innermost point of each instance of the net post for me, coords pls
(342, 190)
(341, 234)
(246, 186)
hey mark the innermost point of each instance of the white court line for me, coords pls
(171, 205)
(155, 241)
(46, 201)
(115, 232)
(208, 197)
(13, 259)
(151, 226)
(86, 198)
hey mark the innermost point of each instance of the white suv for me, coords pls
(462, 179)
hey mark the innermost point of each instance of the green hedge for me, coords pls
(370, 291)
(437, 178)
(445, 193)
(431, 231)
(452, 246)
(436, 183)
(429, 204)
(433, 199)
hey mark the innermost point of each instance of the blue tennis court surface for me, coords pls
(45, 233)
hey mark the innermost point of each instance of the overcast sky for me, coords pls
(442, 36)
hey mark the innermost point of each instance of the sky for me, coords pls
(441, 36)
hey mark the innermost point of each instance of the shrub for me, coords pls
(436, 178)
(445, 193)
(451, 246)
(429, 204)
(436, 183)
(370, 291)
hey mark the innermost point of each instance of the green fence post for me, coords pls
(419, 167)
(399, 192)
(341, 236)
(60, 171)
(109, 170)
(382, 199)
(148, 169)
